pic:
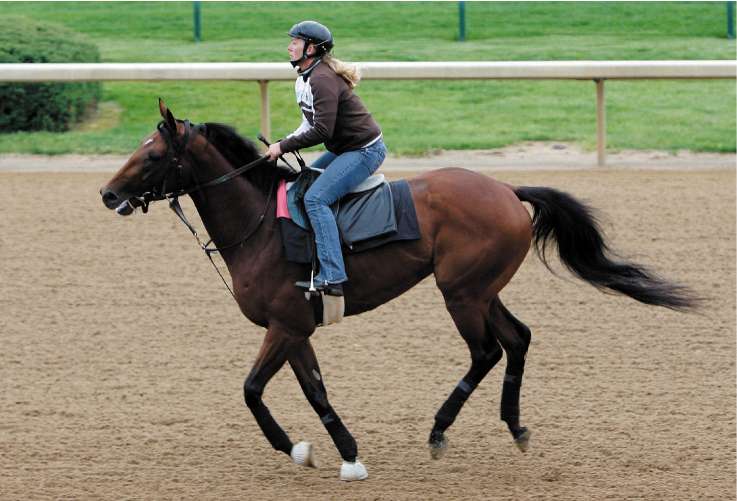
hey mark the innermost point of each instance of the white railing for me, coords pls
(263, 73)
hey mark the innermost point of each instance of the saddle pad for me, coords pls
(359, 215)
(366, 215)
(282, 209)
(404, 211)
(298, 242)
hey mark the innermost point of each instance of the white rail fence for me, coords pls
(595, 71)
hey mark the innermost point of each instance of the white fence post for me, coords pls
(265, 113)
(600, 123)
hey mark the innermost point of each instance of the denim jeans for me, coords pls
(342, 173)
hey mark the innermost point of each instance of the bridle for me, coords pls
(176, 149)
(174, 152)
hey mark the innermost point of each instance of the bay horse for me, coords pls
(475, 233)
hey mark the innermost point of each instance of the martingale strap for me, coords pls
(175, 206)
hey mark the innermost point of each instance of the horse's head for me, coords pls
(154, 169)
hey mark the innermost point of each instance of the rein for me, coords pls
(174, 153)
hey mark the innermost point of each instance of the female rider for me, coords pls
(331, 114)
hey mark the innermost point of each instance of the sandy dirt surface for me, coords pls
(123, 357)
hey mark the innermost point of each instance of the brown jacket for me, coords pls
(332, 114)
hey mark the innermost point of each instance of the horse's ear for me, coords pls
(171, 122)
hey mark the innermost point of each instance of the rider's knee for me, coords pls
(313, 200)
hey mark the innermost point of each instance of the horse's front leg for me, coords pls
(270, 359)
(304, 363)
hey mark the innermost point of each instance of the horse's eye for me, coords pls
(154, 157)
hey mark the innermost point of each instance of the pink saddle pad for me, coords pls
(282, 210)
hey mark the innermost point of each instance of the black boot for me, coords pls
(329, 289)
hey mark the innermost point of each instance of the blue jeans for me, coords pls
(342, 173)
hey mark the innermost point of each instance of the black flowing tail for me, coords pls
(560, 217)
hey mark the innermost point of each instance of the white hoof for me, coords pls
(303, 455)
(353, 471)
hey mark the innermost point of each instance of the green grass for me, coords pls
(381, 21)
(416, 116)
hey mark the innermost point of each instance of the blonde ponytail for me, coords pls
(347, 72)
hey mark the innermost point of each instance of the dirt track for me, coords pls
(123, 357)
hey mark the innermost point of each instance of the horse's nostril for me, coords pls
(109, 198)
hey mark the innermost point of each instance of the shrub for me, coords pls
(44, 106)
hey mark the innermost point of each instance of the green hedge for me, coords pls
(44, 106)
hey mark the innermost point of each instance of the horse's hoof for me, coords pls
(523, 439)
(353, 471)
(303, 454)
(438, 448)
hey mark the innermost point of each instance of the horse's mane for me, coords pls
(239, 151)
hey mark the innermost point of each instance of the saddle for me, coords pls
(365, 212)
(374, 213)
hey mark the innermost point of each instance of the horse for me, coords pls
(475, 234)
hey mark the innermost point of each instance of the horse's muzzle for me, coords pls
(109, 198)
(113, 201)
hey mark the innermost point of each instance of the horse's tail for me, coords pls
(582, 249)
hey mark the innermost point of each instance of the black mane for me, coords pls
(239, 151)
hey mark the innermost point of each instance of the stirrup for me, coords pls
(329, 289)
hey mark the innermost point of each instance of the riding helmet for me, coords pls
(313, 33)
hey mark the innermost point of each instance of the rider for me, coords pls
(331, 114)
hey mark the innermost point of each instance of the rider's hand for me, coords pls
(274, 151)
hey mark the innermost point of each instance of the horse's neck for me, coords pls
(229, 210)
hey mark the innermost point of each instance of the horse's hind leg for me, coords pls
(514, 336)
(471, 321)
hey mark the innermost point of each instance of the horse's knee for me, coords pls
(252, 394)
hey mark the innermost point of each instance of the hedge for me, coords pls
(44, 106)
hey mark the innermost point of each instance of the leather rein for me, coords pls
(175, 152)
